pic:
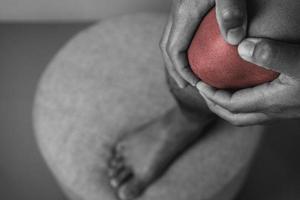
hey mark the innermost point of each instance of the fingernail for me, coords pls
(246, 49)
(235, 35)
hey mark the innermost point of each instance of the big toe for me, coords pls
(131, 190)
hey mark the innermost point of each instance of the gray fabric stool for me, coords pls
(109, 79)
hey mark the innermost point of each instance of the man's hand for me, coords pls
(279, 99)
(184, 19)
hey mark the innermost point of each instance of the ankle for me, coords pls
(196, 116)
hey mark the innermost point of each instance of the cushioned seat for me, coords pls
(110, 79)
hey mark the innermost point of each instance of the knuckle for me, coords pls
(168, 49)
(162, 45)
(264, 53)
(171, 49)
(232, 14)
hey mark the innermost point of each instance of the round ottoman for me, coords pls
(109, 79)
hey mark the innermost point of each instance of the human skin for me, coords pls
(218, 64)
(87, 99)
(237, 107)
(268, 19)
(182, 24)
(278, 51)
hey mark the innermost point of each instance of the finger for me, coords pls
(232, 19)
(270, 54)
(186, 18)
(163, 46)
(256, 99)
(237, 119)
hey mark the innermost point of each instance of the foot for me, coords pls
(142, 156)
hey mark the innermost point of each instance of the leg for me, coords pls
(143, 155)
(87, 99)
(129, 165)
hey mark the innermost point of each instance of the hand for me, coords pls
(182, 24)
(279, 99)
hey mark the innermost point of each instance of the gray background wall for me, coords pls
(72, 10)
(24, 52)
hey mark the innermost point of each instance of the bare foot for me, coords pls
(142, 156)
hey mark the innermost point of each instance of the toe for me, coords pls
(115, 166)
(119, 148)
(121, 178)
(131, 190)
(116, 162)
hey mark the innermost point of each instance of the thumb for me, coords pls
(270, 54)
(232, 19)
